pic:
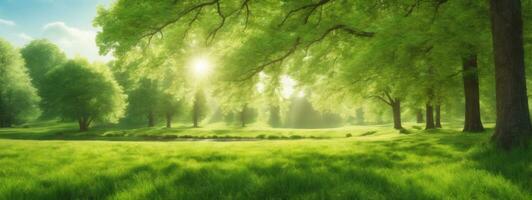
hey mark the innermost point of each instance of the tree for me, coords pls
(41, 56)
(145, 100)
(404, 38)
(419, 116)
(513, 127)
(18, 98)
(85, 92)
(199, 107)
(473, 121)
(275, 117)
(170, 106)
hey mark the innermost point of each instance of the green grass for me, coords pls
(36, 163)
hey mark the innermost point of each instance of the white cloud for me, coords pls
(7, 22)
(25, 37)
(73, 41)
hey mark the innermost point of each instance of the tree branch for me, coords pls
(280, 59)
(212, 34)
(382, 99)
(312, 8)
(245, 5)
(342, 27)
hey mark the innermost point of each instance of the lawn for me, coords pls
(52, 161)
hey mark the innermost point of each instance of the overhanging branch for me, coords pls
(280, 59)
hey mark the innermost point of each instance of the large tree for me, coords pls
(278, 34)
(85, 92)
(513, 126)
(18, 98)
(41, 56)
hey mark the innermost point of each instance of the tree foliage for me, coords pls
(18, 98)
(84, 92)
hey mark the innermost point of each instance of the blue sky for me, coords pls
(68, 23)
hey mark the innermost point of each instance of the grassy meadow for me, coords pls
(51, 161)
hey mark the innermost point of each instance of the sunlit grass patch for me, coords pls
(444, 164)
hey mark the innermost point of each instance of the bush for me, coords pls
(296, 137)
(273, 137)
(348, 135)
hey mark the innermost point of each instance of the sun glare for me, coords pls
(201, 67)
(287, 86)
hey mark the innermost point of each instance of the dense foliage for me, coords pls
(84, 92)
(41, 56)
(18, 98)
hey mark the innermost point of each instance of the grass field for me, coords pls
(52, 161)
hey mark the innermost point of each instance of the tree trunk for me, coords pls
(84, 123)
(419, 116)
(195, 116)
(473, 122)
(437, 117)
(430, 117)
(396, 109)
(243, 116)
(151, 119)
(275, 116)
(169, 120)
(513, 126)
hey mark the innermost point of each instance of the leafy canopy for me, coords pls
(18, 98)
(78, 89)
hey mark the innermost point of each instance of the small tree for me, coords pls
(199, 107)
(170, 106)
(84, 92)
(144, 100)
(18, 98)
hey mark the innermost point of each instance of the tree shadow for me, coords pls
(515, 165)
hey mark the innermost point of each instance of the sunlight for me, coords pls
(287, 86)
(301, 94)
(201, 67)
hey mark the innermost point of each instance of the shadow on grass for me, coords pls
(387, 169)
(515, 165)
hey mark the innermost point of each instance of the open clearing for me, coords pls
(43, 162)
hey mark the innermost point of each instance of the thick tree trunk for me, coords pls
(151, 119)
(169, 120)
(419, 116)
(513, 127)
(473, 122)
(396, 110)
(437, 116)
(84, 124)
(430, 117)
